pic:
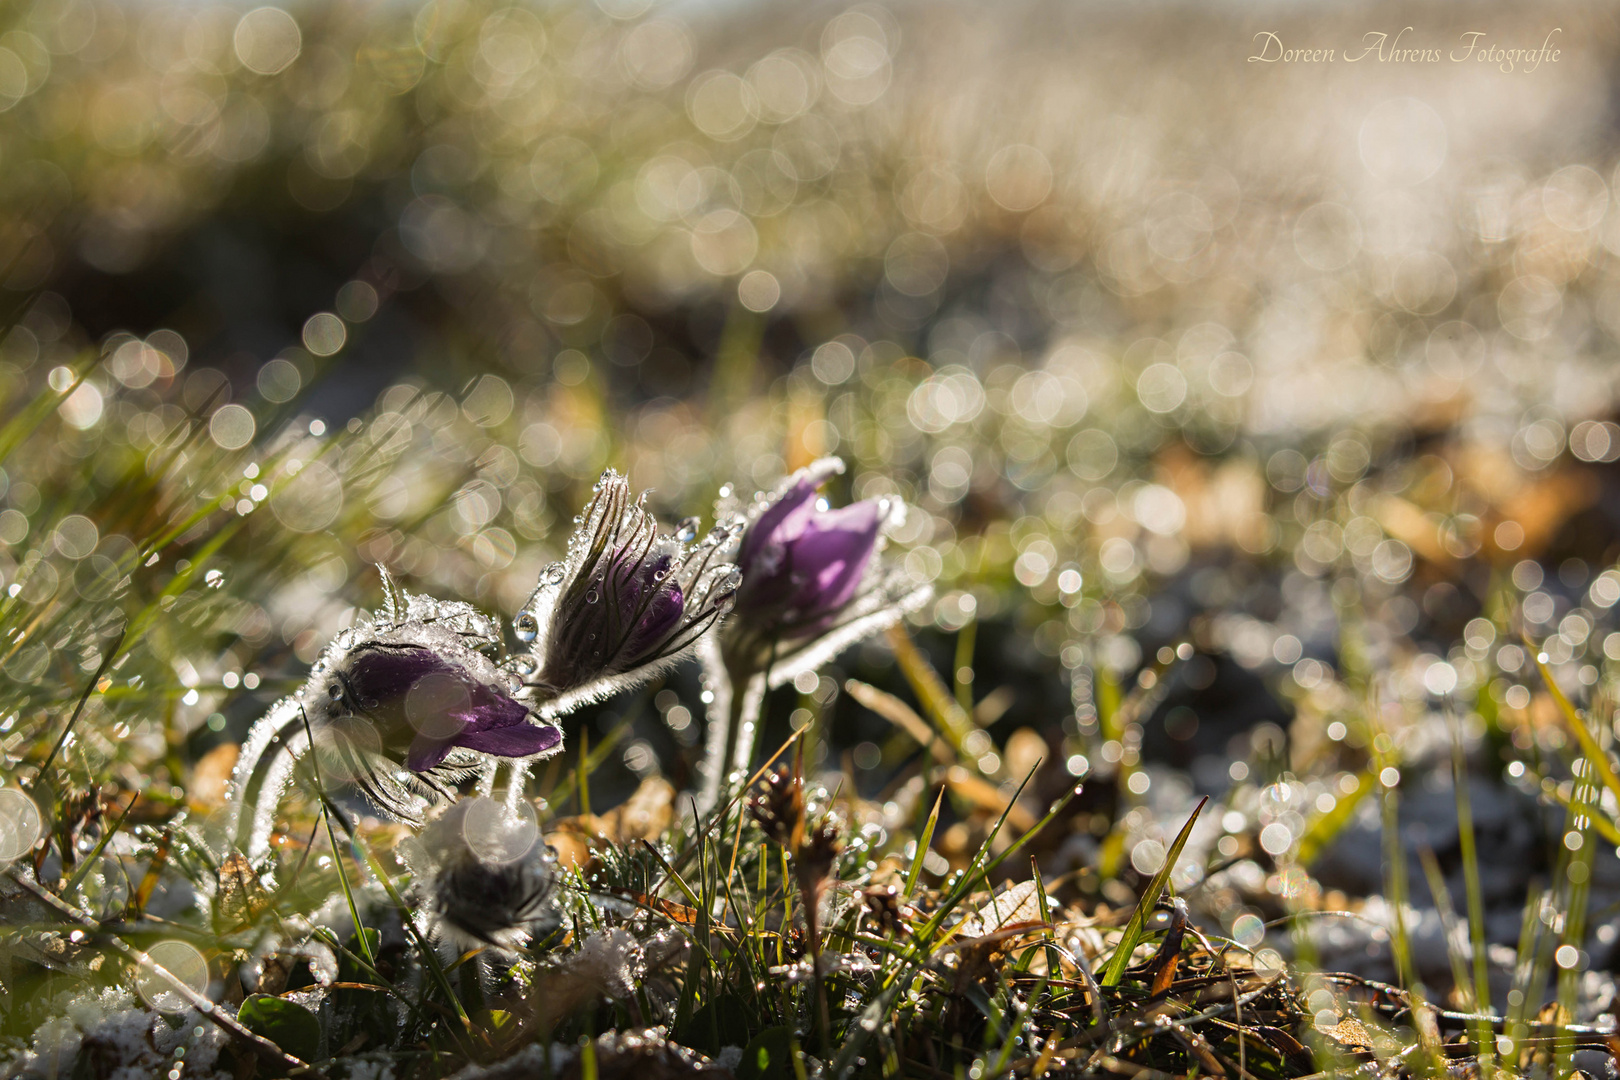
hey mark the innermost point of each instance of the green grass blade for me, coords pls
(923, 843)
(1577, 727)
(1479, 1001)
(1144, 907)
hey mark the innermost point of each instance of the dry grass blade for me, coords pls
(901, 716)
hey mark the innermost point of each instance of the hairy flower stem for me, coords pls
(729, 744)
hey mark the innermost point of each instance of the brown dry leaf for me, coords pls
(211, 777)
(644, 816)
(241, 897)
(1017, 903)
(1350, 1034)
(1025, 751)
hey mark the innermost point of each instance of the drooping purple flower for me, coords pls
(412, 689)
(403, 704)
(627, 601)
(813, 583)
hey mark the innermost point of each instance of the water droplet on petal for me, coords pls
(526, 626)
(687, 530)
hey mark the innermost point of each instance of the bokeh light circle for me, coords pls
(21, 825)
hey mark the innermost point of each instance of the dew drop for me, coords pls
(526, 626)
(687, 530)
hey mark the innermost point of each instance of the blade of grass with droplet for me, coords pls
(101, 845)
(964, 665)
(925, 682)
(1603, 825)
(1144, 906)
(1577, 727)
(35, 413)
(923, 842)
(1578, 876)
(903, 717)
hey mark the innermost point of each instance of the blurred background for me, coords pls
(1305, 369)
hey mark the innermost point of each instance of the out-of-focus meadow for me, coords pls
(1275, 400)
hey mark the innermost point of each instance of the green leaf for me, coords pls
(286, 1023)
(767, 1057)
(923, 844)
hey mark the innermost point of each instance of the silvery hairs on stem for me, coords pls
(625, 604)
(484, 876)
(404, 704)
(813, 583)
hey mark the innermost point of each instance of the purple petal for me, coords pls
(832, 555)
(492, 711)
(783, 521)
(521, 741)
(663, 614)
(426, 753)
(380, 675)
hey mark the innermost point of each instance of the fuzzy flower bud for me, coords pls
(626, 603)
(484, 875)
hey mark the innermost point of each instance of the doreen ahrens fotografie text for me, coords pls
(1376, 46)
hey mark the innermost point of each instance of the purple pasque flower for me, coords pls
(417, 681)
(403, 704)
(802, 562)
(813, 581)
(626, 602)
(410, 691)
